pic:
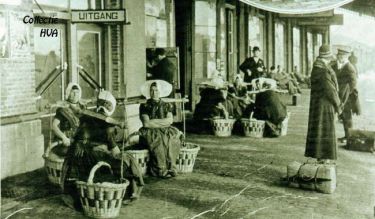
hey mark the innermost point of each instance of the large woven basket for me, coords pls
(253, 128)
(101, 200)
(142, 157)
(284, 125)
(53, 165)
(187, 156)
(223, 127)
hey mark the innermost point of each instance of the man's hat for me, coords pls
(256, 48)
(343, 51)
(325, 51)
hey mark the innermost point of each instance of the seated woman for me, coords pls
(269, 107)
(94, 142)
(237, 94)
(286, 81)
(66, 120)
(157, 134)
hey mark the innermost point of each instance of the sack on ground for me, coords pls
(312, 176)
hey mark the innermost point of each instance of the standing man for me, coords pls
(252, 67)
(164, 69)
(324, 104)
(347, 81)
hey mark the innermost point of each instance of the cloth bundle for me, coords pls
(312, 176)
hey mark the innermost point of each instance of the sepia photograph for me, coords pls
(187, 109)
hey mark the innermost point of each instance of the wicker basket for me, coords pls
(223, 127)
(101, 200)
(142, 157)
(284, 125)
(253, 127)
(186, 158)
(53, 165)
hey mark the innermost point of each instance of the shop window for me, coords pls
(155, 8)
(296, 49)
(279, 45)
(205, 38)
(50, 57)
(89, 50)
(156, 23)
(256, 33)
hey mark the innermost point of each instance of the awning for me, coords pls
(296, 6)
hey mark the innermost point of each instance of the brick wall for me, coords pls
(22, 143)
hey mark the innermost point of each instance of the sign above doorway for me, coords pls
(99, 16)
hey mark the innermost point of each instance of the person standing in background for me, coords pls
(253, 66)
(164, 69)
(324, 104)
(347, 81)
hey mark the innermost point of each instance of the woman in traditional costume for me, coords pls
(66, 120)
(270, 108)
(157, 134)
(237, 94)
(95, 141)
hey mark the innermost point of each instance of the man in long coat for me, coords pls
(252, 67)
(324, 104)
(347, 81)
(164, 69)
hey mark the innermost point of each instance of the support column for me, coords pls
(270, 39)
(303, 35)
(289, 46)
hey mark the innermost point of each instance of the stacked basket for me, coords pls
(253, 127)
(223, 127)
(186, 159)
(101, 200)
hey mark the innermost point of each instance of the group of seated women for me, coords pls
(239, 100)
(88, 137)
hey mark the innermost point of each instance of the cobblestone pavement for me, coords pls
(235, 177)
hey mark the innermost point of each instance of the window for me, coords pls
(156, 23)
(89, 56)
(205, 38)
(296, 48)
(50, 55)
(256, 33)
(279, 46)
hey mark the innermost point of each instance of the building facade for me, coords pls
(211, 35)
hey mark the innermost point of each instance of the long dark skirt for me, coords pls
(164, 146)
(78, 166)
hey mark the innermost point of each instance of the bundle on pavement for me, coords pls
(361, 140)
(312, 176)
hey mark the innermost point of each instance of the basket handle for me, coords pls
(50, 146)
(251, 115)
(95, 168)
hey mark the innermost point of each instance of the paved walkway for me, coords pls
(234, 177)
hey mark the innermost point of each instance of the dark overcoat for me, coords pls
(252, 65)
(164, 70)
(347, 81)
(324, 103)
